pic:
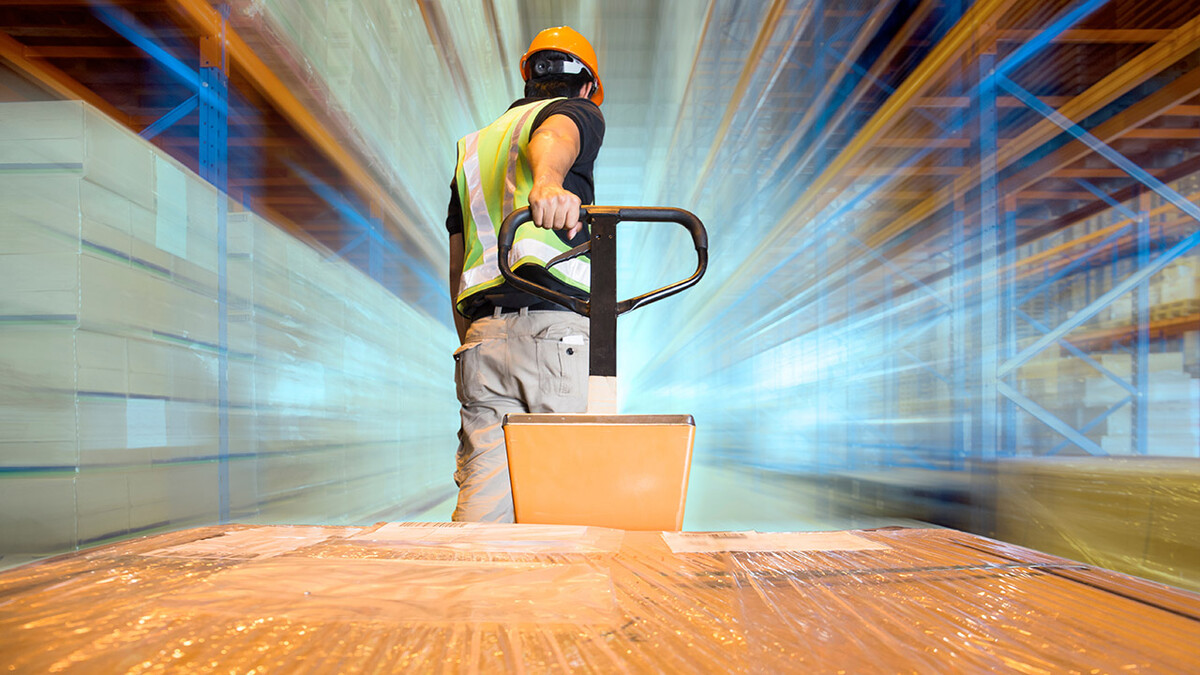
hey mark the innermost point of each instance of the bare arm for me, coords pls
(456, 264)
(552, 150)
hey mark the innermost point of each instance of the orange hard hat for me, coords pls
(567, 40)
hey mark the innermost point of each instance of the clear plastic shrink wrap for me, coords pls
(1139, 515)
(110, 354)
(480, 598)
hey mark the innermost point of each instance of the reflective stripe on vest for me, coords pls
(526, 251)
(491, 183)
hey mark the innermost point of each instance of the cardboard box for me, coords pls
(109, 292)
(102, 363)
(192, 430)
(112, 432)
(117, 159)
(42, 135)
(37, 512)
(29, 448)
(102, 499)
(41, 213)
(144, 248)
(244, 496)
(193, 492)
(39, 285)
(38, 357)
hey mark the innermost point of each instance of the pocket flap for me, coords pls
(465, 346)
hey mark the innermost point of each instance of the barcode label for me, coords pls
(717, 542)
(495, 537)
(252, 544)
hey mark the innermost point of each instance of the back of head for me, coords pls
(551, 75)
(558, 63)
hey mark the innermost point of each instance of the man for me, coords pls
(520, 353)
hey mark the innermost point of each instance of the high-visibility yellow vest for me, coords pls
(493, 178)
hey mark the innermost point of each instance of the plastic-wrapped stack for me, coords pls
(1139, 515)
(443, 597)
(109, 353)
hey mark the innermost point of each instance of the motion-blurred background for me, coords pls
(955, 278)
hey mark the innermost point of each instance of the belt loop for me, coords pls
(496, 312)
(524, 311)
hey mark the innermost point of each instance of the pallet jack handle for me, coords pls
(602, 222)
(621, 471)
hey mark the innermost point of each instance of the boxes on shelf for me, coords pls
(110, 346)
(1180, 281)
(1173, 420)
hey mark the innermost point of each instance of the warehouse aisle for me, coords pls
(731, 497)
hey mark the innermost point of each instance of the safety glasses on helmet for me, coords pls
(571, 66)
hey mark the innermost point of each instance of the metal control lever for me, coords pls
(601, 216)
(569, 255)
(602, 308)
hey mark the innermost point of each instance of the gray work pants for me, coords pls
(527, 362)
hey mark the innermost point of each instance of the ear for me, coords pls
(586, 90)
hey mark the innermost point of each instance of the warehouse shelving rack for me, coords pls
(955, 203)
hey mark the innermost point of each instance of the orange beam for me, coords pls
(1116, 127)
(56, 80)
(1090, 237)
(1160, 328)
(1184, 111)
(1127, 242)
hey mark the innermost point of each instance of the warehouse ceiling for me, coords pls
(780, 123)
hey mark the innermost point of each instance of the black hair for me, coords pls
(554, 84)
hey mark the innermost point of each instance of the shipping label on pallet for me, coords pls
(716, 542)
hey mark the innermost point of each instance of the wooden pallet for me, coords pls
(1175, 310)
